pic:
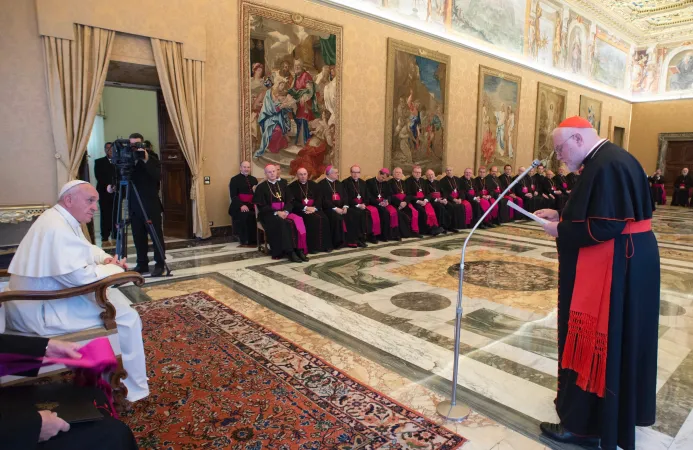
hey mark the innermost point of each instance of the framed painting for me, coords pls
(416, 107)
(551, 110)
(497, 117)
(591, 110)
(290, 91)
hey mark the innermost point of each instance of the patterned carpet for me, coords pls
(220, 380)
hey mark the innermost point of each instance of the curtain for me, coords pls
(75, 74)
(328, 48)
(182, 85)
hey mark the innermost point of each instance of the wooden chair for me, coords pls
(108, 329)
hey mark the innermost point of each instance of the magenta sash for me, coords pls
(435, 194)
(525, 190)
(467, 212)
(419, 195)
(485, 205)
(358, 201)
(520, 202)
(394, 217)
(484, 192)
(300, 231)
(565, 185)
(399, 197)
(375, 218)
(431, 219)
(278, 206)
(454, 194)
(414, 219)
(510, 210)
(497, 190)
(246, 198)
(662, 192)
(309, 202)
(336, 197)
(97, 358)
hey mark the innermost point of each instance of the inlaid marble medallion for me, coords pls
(410, 252)
(420, 301)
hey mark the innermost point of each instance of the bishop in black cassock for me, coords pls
(523, 189)
(554, 190)
(608, 295)
(505, 214)
(408, 216)
(274, 202)
(505, 180)
(460, 209)
(445, 210)
(379, 197)
(308, 205)
(343, 223)
(483, 193)
(682, 187)
(470, 194)
(416, 197)
(241, 209)
(357, 196)
(659, 193)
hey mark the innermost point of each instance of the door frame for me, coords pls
(664, 139)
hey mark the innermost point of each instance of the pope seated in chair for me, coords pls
(55, 255)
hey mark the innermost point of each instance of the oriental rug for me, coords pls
(220, 380)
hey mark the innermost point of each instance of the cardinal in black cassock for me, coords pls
(241, 209)
(469, 190)
(682, 189)
(505, 214)
(379, 197)
(659, 193)
(416, 197)
(408, 215)
(459, 208)
(274, 202)
(443, 209)
(523, 189)
(357, 198)
(344, 224)
(608, 295)
(308, 204)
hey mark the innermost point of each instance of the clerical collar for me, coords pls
(593, 151)
(69, 217)
(273, 182)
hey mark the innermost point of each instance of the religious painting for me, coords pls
(499, 22)
(497, 117)
(591, 110)
(290, 91)
(551, 110)
(545, 34)
(680, 71)
(609, 60)
(432, 12)
(416, 107)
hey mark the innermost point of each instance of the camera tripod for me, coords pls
(126, 184)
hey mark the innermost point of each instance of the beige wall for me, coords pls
(363, 89)
(650, 119)
(130, 111)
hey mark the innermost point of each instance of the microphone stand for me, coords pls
(449, 408)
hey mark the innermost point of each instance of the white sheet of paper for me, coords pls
(527, 213)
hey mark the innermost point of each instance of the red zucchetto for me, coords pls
(575, 122)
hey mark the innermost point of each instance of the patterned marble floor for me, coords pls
(393, 304)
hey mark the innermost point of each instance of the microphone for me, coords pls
(449, 408)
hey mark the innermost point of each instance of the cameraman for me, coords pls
(146, 178)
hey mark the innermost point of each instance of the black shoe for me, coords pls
(293, 257)
(141, 269)
(302, 255)
(482, 226)
(362, 244)
(158, 271)
(435, 231)
(452, 230)
(398, 239)
(556, 432)
(373, 240)
(420, 236)
(329, 250)
(442, 230)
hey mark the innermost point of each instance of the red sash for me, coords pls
(414, 219)
(586, 344)
(435, 194)
(565, 185)
(336, 197)
(419, 195)
(484, 192)
(297, 221)
(467, 212)
(375, 218)
(431, 219)
(246, 198)
(497, 190)
(278, 206)
(454, 195)
(399, 197)
(485, 205)
(309, 202)
(394, 217)
(525, 190)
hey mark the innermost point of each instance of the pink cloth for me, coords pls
(431, 219)
(454, 195)
(414, 219)
(309, 202)
(375, 218)
(245, 198)
(300, 231)
(435, 194)
(467, 212)
(511, 212)
(485, 205)
(525, 190)
(336, 197)
(394, 216)
(278, 206)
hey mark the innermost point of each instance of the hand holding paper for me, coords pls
(527, 213)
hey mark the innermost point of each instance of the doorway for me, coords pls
(619, 134)
(132, 102)
(675, 153)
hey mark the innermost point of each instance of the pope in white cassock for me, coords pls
(55, 255)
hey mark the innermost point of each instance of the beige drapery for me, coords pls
(75, 74)
(182, 84)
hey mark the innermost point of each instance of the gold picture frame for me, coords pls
(591, 109)
(423, 138)
(499, 93)
(256, 25)
(552, 105)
